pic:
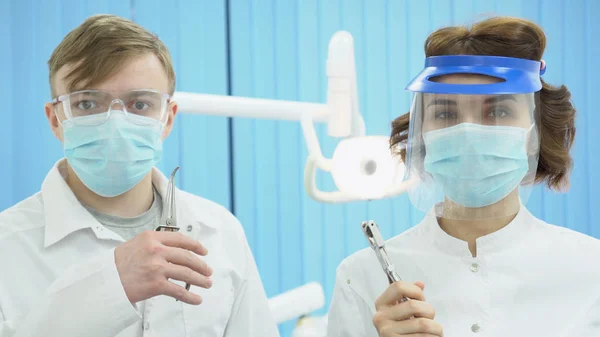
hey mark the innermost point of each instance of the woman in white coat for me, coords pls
(483, 128)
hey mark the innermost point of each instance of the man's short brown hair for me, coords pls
(101, 46)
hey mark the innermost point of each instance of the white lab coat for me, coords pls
(529, 279)
(58, 275)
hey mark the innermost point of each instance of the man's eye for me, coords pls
(86, 105)
(140, 106)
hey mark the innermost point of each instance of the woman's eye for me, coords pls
(445, 115)
(498, 113)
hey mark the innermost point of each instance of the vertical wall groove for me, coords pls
(230, 132)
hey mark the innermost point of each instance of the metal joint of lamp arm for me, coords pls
(356, 156)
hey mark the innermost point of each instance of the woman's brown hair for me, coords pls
(511, 37)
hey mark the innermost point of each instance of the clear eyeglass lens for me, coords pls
(93, 106)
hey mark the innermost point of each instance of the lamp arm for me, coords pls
(310, 184)
(246, 107)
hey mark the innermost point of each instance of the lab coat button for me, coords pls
(475, 328)
(189, 228)
(474, 267)
(146, 326)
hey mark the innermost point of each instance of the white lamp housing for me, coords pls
(363, 168)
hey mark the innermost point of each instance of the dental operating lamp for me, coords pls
(362, 166)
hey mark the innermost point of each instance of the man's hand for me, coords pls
(410, 318)
(147, 262)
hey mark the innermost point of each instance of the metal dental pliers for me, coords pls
(371, 231)
(168, 219)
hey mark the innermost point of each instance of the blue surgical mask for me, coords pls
(476, 165)
(112, 157)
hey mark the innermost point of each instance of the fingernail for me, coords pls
(209, 282)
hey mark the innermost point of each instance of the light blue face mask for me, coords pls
(112, 157)
(476, 165)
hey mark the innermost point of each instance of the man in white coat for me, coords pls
(82, 257)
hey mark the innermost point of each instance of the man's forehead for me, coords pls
(143, 72)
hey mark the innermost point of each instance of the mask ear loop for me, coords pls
(58, 119)
(165, 119)
(532, 137)
(532, 145)
(61, 100)
(61, 125)
(532, 140)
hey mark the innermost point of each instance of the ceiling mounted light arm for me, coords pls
(342, 116)
(341, 112)
(247, 107)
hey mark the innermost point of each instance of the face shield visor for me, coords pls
(473, 143)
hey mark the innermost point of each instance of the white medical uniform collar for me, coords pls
(502, 240)
(64, 214)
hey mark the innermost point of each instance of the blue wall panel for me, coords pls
(334, 224)
(288, 136)
(28, 111)
(311, 89)
(202, 67)
(397, 28)
(7, 95)
(593, 117)
(575, 59)
(552, 19)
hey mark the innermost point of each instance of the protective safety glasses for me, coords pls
(93, 107)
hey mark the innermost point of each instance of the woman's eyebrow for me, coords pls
(499, 98)
(441, 101)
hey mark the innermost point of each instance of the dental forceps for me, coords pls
(373, 235)
(168, 219)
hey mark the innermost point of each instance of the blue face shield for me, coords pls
(112, 157)
(472, 147)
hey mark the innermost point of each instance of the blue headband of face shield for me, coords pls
(520, 76)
